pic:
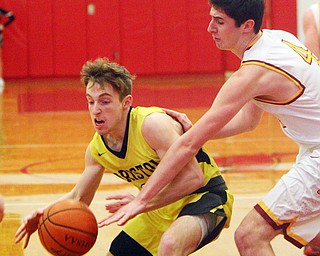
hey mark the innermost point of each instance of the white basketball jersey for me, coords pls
(282, 52)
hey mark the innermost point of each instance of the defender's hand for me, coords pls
(180, 117)
(123, 214)
(119, 200)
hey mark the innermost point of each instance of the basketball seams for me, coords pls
(56, 241)
(40, 231)
(68, 227)
(42, 228)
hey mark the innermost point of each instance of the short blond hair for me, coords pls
(103, 72)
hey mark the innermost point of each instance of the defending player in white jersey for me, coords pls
(279, 75)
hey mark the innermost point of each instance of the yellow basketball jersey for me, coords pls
(137, 160)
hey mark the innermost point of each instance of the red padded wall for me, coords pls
(15, 40)
(284, 15)
(40, 38)
(171, 39)
(69, 36)
(203, 55)
(137, 36)
(103, 32)
(56, 37)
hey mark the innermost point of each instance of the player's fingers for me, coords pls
(113, 208)
(111, 219)
(37, 214)
(120, 201)
(112, 205)
(171, 112)
(105, 222)
(180, 117)
(175, 114)
(26, 241)
(20, 235)
(20, 229)
(101, 224)
(167, 110)
(124, 219)
(185, 121)
(116, 196)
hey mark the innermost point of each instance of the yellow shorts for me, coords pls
(147, 229)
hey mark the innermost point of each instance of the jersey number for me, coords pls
(305, 54)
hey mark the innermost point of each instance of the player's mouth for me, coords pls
(215, 38)
(98, 122)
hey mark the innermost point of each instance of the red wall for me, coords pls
(40, 38)
(15, 42)
(55, 37)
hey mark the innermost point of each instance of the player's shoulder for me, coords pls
(149, 114)
(160, 122)
(156, 119)
(139, 110)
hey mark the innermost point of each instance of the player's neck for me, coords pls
(252, 40)
(114, 139)
(114, 142)
(247, 43)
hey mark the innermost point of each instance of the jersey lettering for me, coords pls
(138, 172)
(305, 54)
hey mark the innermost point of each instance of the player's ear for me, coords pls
(248, 25)
(127, 101)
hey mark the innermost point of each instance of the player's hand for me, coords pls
(123, 214)
(1, 208)
(28, 227)
(118, 201)
(180, 117)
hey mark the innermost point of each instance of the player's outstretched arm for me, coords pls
(182, 185)
(311, 33)
(215, 123)
(83, 191)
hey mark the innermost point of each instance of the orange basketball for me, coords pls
(68, 228)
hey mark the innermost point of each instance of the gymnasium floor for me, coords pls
(45, 128)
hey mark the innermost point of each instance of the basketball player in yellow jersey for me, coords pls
(279, 75)
(130, 142)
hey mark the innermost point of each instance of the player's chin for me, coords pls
(220, 45)
(101, 133)
(100, 129)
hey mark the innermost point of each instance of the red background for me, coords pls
(54, 38)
